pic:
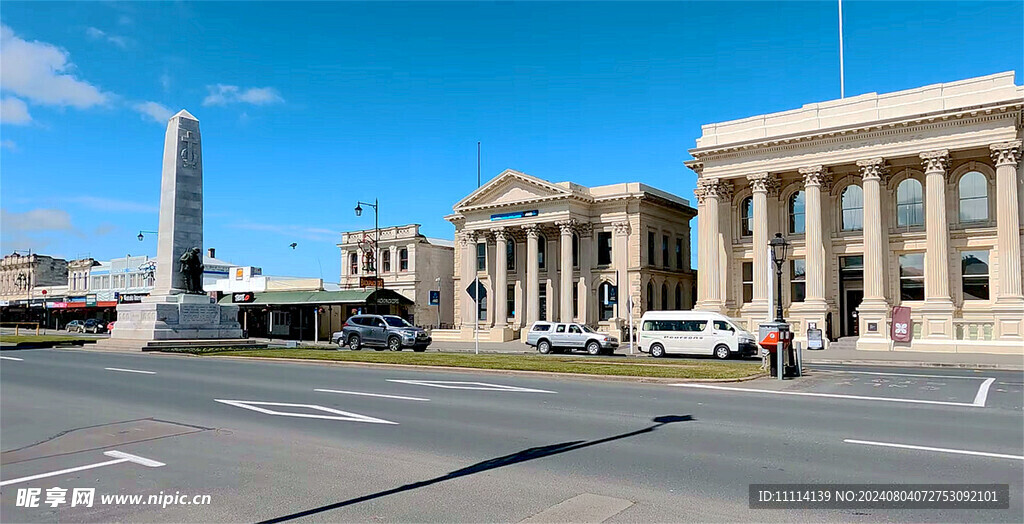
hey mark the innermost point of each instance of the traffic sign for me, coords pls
(477, 290)
(435, 298)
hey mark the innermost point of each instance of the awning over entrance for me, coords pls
(347, 296)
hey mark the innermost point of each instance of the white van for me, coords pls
(693, 332)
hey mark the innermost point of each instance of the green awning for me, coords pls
(345, 296)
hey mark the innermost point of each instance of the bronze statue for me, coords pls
(192, 271)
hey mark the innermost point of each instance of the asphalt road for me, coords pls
(551, 450)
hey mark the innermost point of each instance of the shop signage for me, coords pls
(900, 331)
(243, 298)
(613, 295)
(90, 301)
(129, 298)
(388, 301)
(5, 303)
(514, 214)
(435, 298)
(371, 282)
(56, 305)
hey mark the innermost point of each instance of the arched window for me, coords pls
(796, 212)
(542, 249)
(973, 197)
(852, 203)
(746, 216)
(909, 203)
(679, 296)
(604, 297)
(664, 296)
(650, 296)
(353, 264)
(385, 261)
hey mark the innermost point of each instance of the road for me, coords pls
(413, 446)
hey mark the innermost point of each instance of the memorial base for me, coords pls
(176, 317)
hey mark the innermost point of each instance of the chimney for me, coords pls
(210, 252)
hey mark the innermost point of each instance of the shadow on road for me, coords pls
(514, 458)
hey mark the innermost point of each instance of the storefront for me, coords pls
(309, 315)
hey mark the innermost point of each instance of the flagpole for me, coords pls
(842, 79)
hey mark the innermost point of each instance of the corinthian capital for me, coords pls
(872, 168)
(764, 182)
(1006, 153)
(567, 227)
(532, 231)
(816, 176)
(621, 228)
(713, 188)
(467, 237)
(500, 235)
(935, 161)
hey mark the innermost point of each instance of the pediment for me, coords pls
(512, 187)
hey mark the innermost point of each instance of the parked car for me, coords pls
(94, 325)
(694, 332)
(75, 326)
(554, 337)
(380, 332)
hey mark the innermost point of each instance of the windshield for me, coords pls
(588, 330)
(397, 322)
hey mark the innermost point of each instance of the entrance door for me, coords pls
(851, 292)
(851, 301)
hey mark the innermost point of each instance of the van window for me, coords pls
(694, 325)
(560, 328)
(542, 327)
(723, 326)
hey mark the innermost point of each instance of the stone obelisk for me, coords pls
(169, 312)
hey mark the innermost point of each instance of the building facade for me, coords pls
(407, 262)
(565, 252)
(912, 199)
(21, 274)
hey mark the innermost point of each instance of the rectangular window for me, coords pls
(575, 250)
(912, 276)
(481, 257)
(748, 282)
(403, 259)
(650, 248)
(482, 310)
(542, 294)
(510, 300)
(798, 280)
(664, 250)
(679, 253)
(974, 269)
(604, 248)
(575, 302)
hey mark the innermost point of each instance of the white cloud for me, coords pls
(9, 145)
(36, 220)
(40, 72)
(14, 111)
(292, 231)
(221, 94)
(159, 113)
(98, 34)
(112, 204)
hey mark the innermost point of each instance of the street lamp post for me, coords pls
(376, 242)
(142, 236)
(779, 246)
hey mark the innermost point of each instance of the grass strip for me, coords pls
(671, 368)
(19, 340)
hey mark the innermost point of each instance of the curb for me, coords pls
(917, 364)
(584, 376)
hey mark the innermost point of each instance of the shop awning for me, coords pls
(346, 296)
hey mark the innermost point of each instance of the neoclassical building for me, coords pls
(565, 252)
(912, 198)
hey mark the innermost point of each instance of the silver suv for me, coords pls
(555, 337)
(380, 332)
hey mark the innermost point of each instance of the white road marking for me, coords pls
(480, 386)
(132, 371)
(119, 457)
(12, 358)
(399, 397)
(901, 374)
(982, 396)
(337, 414)
(928, 448)
(829, 395)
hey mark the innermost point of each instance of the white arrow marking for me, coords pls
(928, 448)
(481, 386)
(11, 358)
(119, 457)
(337, 414)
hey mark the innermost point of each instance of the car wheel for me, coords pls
(722, 352)
(657, 351)
(593, 348)
(354, 343)
(395, 344)
(544, 347)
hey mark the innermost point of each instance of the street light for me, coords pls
(376, 240)
(779, 246)
(141, 236)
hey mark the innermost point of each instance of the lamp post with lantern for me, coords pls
(376, 242)
(779, 245)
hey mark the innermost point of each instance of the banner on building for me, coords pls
(900, 331)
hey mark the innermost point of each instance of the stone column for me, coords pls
(709, 192)
(566, 229)
(586, 235)
(532, 291)
(467, 243)
(1009, 303)
(500, 277)
(874, 308)
(761, 184)
(620, 259)
(938, 306)
(814, 308)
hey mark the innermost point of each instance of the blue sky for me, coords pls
(306, 108)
